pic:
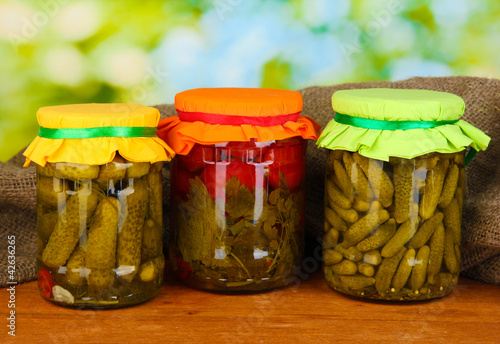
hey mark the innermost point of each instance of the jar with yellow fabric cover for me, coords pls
(99, 204)
(394, 190)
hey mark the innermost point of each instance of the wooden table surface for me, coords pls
(308, 313)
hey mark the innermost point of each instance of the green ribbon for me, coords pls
(90, 133)
(368, 123)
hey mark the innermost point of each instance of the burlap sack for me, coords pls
(481, 231)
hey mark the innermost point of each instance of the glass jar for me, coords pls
(99, 220)
(238, 214)
(394, 191)
(393, 228)
(100, 233)
(237, 187)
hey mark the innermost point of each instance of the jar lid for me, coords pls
(91, 134)
(382, 122)
(216, 115)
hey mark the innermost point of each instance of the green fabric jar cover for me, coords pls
(380, 123)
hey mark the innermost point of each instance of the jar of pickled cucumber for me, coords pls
(99, 204)
(394, 190)
(237, 187)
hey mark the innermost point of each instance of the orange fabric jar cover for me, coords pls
(216, 115)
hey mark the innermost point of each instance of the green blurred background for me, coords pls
(60, 52)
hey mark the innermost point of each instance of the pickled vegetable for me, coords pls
(52, 191)
(408, 244)
(239, 225)
(78, 237)
(133, 212)
(79, 207)
(101, 243)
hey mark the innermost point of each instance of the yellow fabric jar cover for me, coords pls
(110, 128)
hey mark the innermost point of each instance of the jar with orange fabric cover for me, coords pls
(237, 187)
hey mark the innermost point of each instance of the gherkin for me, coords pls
(404, 270)
(137, 169)
(419, 271)
(151, 241)
(133, 201)
(432, 190)
(101, 242)
(357, 177)
(403, 184)
(75, 268)
(386, 271)
(379, 238)
(70, 226)
(380, 182)
(364, 226)
(66, 170)
(51, 191)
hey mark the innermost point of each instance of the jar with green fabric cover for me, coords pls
(394, 190)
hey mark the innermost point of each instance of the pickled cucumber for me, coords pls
(336, 196)
(404, 233)
(403, 271)
(66, 170)
(343, 180)
(437, 248)
(330, 239)
(156, 167)
(366, 269)
(380, 183)
(372, 257)
(450, 258)
(449, 187)
(335, 220)
(331, 257)
(357, 282)
(75, 269)
(68, 229)
(137, 169)
(133, 212)
(426, 230)
(51, 191)
(364, 226)
(419, 271)
(46, 224)
(349, 215)
(379, 238)
(99, 279)
(345, 267)
(155, 198)
(101, 242)
(152, 241)
(452, 220)
(403, 184)
(360, 205)
(357, 177)
(386, 271)
(114, 170)
(432, 191)
(151, 269)
(350, 253)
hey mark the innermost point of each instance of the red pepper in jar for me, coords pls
(290, 160)
(216, 176)
(45, 282)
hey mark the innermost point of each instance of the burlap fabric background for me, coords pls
(481, 218)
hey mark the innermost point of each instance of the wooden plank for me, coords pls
(309, 313)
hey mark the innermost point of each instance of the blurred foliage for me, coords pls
(60, 52)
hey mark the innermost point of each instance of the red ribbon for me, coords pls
(212, 118)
